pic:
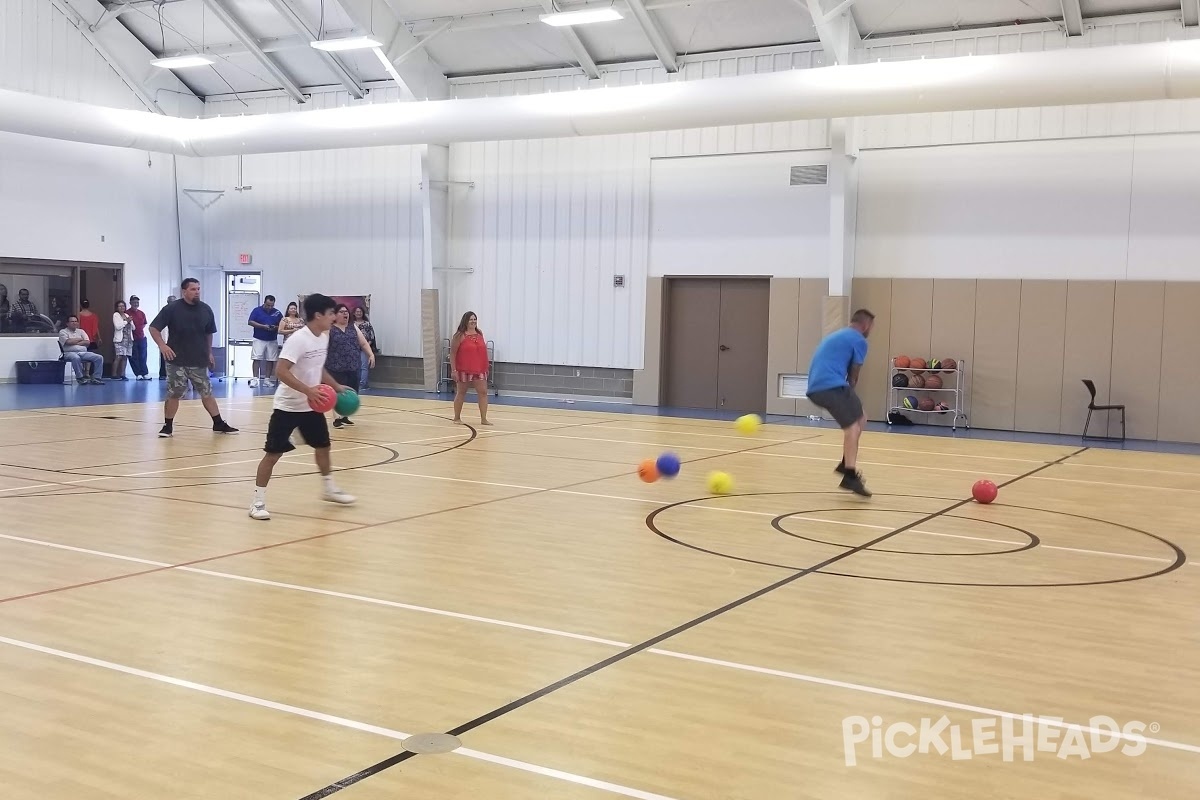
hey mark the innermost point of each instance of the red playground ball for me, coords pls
(328, 399)
(984, 491)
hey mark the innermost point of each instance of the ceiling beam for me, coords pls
(836, 29)
(1191, 12)
(331, 61)
(239, 31)
(531, 15)
(268, 44)
(1073, 17)
(111, 42)
(658, 41)
(575, 43)
(418, 76)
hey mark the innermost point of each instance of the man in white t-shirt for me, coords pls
(300, 370)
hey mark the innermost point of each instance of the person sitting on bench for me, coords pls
(74, 341)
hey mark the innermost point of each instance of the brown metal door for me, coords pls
(742, 350)
(692, 340)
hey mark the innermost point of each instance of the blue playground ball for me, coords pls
(668, 465)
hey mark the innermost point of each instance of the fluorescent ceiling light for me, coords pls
(351, 43)
(178, 62)
(581, 17)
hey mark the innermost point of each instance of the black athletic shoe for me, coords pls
(853, 482)
(223, 427)
(840, 469)
(166, 432)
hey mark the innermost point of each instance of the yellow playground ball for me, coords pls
(748, 424)
(720, 483)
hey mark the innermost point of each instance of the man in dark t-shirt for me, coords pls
(188, 351)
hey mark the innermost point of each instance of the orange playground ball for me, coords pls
(902, 362)
(648, 470)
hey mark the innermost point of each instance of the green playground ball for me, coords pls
(347, 403)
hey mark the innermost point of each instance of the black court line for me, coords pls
(466, 727)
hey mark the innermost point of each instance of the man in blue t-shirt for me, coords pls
(265, 320)
(832, 377)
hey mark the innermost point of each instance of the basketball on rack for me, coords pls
(935, 364)
(933, 382)
(917, 382)
(900, 380)
(901, 362)
(917, 365)
(949, 364)
(926, 404)
(911, 402)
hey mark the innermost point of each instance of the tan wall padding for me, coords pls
(813, 294)
(875, 295)
(647, 381)
(782, 323)
(1179, 387)
(994, 375)
(1040, 345)
(952, 335)
(1087, 352)
(1137, 356)
(835, 314)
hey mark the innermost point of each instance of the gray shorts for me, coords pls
(842, 403)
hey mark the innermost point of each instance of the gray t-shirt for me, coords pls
(78, 333)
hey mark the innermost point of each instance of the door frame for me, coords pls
(664, 318)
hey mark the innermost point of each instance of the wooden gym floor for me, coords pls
(580, 633)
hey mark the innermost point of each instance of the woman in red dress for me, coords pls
(469, 362)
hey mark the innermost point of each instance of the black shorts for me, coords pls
(346, 377)
(311, 424)
(842, 403)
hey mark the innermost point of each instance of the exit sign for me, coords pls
(244, 258)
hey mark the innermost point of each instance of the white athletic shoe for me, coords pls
(338, 496)
(259, 510)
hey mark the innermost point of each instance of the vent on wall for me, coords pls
(810, 175)
(792, 387)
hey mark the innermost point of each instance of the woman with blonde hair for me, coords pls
(469, 363)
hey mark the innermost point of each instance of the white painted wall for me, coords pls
(75, 202)
(722, 215)
(25, 348)
(343, 222)
(547, 226)
(1121, 208)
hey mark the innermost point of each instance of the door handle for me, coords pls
(723, 348)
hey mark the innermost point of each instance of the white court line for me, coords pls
(291, 458)
(330, 718)
(916, 698)
(550, 631)
(751, 453)
(821, 520)
(1117, 485)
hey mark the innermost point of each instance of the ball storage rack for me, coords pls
(954, 396)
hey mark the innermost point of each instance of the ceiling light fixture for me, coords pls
(582, 17)
(180, 62)
(350, 43)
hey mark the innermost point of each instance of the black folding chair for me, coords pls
(1092, 407)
